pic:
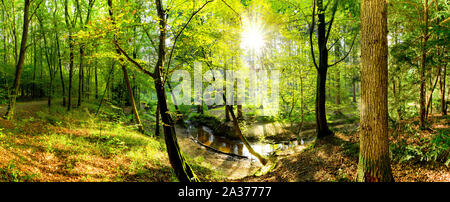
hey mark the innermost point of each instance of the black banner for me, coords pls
(222, 191)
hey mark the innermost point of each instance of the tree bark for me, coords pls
(96, 82)
(240, 116)
(133, 103)
(321, 118)
(374, 160)
(182, 169)
(354, 91)
(227, 114)
(423, 65)
(442, 90)
(430, 97)
(80, 78)
(71, 55)
(61, 70)
(19, 66)
(157, 122)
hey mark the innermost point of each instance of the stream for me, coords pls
(205, 137)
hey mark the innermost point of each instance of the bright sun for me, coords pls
(253, 37)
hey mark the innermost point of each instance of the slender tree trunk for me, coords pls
(337, 54)
(127, 82)
(80, 78)
(133, 104)
(321, 118)
(374, 160)
(157, 122)
(430, 98)
(182, 169)
(33, 88)
(338, 91)
(354, 91)
(442, 90)
(63, 88)
(240, 115)
(71, 55)
(19, 66)
(200, 108)
(49, 64)
(422, 67)
(227, 115)
(243, 139)
(96, 82)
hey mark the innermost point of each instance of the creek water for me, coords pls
(205, 136)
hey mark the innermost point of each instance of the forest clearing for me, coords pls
(224, 91)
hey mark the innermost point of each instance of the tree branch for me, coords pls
(133, 61)
(181, 31)
(343, 58)
(331, 21)
(311, 30)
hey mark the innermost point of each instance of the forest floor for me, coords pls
(54, 145)
(335, 158)
(47, 145)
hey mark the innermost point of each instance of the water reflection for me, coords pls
(205, 136)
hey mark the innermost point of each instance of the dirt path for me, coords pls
(24, 109)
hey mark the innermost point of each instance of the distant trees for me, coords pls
(419, 31)
(374, 160)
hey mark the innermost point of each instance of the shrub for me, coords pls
(435, 149)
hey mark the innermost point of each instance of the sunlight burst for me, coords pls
(253, 37)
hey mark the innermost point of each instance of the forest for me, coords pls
(224, 91)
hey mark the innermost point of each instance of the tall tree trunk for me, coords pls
(240, 115)
(337, 53)
(200, 108)
(71, 55)
(321, 118)
(33, 88)
(157, 122)
(227, 115)
(19, 66)
(374, 161)
(133, 103)
(80, 78)
(88, 82)
(354, 91)
(422, 66)
(127, 81)
(338, 91)
(442, 90)
(182, 169)
(242, 137)
(401, 107)
(49, 64)
(63, 88)
(96, 82)
(430, 97)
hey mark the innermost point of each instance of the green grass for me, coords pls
(77, 144)
(10, 173)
